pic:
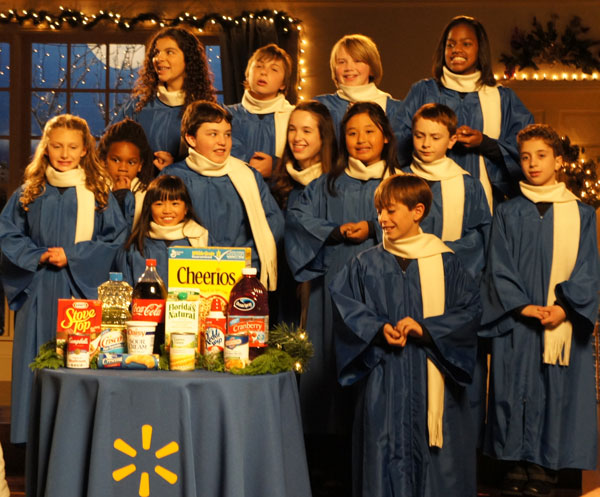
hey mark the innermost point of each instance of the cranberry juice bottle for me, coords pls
(149, 295)
(248, 312)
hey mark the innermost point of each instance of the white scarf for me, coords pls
(356, 169)
(197, 235)
(491, 109)
(244, 182)
(565, 246)
(450, 176)
(428, 249)
(363, 93)
(86, 202)
(278, 106)
(305, 176)
(139, 195)
(171, 98)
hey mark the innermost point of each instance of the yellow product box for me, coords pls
(211, 271)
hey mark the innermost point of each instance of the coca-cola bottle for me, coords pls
(248, 312)
(148, 304)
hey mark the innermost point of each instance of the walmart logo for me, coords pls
(125, 471)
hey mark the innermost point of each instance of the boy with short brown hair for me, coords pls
(411, 314)
(540, 302)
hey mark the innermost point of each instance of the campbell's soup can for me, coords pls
(78, 351)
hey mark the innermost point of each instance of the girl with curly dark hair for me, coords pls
(175, 73)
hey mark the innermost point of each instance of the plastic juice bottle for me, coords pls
(149, 296)
(248, 312)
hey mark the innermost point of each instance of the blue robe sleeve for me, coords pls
(355, 353)
(90, 262)
(503, 289)
(251, 133)
(579, 293)
(454, 333)
(306, 232)
(20, 254)
(272, 211)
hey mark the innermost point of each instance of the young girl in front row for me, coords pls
(167, 218)
(310, 152)
(59, 234)
(128, 157)
(333, 220)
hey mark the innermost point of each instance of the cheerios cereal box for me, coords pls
(212, 271)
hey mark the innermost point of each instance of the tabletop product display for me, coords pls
(160, 433)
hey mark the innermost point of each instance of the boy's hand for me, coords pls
(44, 257)
(554, 315)
(263, 163)
(122, 183)
(398, 335)
(57, 256)
(533, 311)
(162, 159)
(469, 137)
(355, 232)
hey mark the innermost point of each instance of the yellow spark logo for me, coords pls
(125, 471)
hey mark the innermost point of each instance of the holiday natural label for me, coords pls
(211, 271)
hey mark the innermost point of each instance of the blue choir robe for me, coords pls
(545, 414)
(251, 133)
(471, 247)
(309, 222)
(391, 452)
(161, 123)
(132, 263)
(515, 117)
(337, 106)
(287, 295)
(32, 289)
(221, 211)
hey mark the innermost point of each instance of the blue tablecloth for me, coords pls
(155, 434)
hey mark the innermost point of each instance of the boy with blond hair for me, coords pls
(260, 120)
(408, 343)
(540, 303)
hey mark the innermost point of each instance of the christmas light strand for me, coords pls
(76, 18)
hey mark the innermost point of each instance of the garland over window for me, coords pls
(544, 45)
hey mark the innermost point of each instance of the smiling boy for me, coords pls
(411, 313)
(260, 120)
(540, 302)
(230, 199)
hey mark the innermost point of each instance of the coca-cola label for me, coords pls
(244, 304)
(148, 310)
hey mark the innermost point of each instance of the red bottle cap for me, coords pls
(151, 262)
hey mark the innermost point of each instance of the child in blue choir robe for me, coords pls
(175, 73)
(260, 121)
(310, 152)
(127, 155)
(489, 116)
(167, 218)
(356, 70)
(459, 215)
(411, 314)
(59, 233)
(540, 302)
(230, 199)
(333, 220)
